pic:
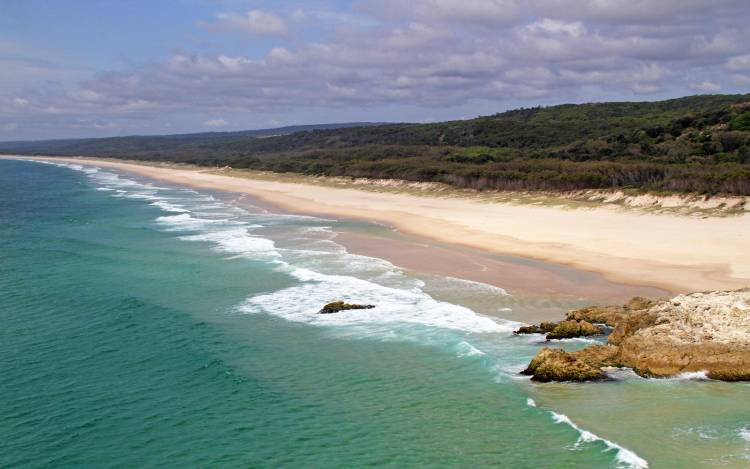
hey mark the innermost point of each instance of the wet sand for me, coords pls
(519, 277)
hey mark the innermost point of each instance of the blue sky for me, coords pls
(118, 67)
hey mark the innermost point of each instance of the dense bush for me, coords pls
(694, 144)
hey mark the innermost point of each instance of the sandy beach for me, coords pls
(671, 252)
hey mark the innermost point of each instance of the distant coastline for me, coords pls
(667, 251)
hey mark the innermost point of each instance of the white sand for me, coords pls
(674, 252)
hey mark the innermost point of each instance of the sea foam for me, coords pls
(239, 242)
(302, 302)
(624, 457)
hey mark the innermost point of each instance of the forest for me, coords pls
(695, 144)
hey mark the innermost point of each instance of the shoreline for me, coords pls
(527, 278)
(662, 251)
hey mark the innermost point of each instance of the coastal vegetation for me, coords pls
(696, 144)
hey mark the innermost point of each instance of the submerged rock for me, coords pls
(338, 306)
(583, 365)
(570, 329)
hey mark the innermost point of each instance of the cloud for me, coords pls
(740, 63)
(634, 11)
(215, 123)
(548, 26)
(257, 22)
(485, 13)
(706, 86)
(436, 57)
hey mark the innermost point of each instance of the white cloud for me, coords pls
(85, 95)
(484, 13)
(739, 63)
(257, 22)
(706, 86)
(549, 26)
(215, 123)
(643, 88)
(739, 79)
(430, 56)
(633, 11)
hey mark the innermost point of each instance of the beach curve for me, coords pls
(677, 253)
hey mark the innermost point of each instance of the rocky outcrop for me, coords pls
(700, 332)
(583, 365)
(570, 329)
(609, 315)
(707, 332)
(567, 329)
(338, 306)
(542, 328)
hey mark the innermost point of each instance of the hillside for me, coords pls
(153, 143)
(695, 144)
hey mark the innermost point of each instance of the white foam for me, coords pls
(75, 167)
(477, 286)
(301, 303)
(465, 349)
(147, 195)
(186, 222)
(530, 402)
(582, 340)
(238, 241)
(625, 458)
(169, 207)
(744, 433)
(328, 230)
(621, 374)
(692, 376)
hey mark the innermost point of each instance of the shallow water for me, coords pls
(146, 324)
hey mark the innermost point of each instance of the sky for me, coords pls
(93, 68)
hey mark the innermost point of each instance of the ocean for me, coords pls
(145, 324)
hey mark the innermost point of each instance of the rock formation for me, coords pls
(542, 328)
(582, 365)
(700, 332)
(567, 329)
(338, 306)
(570, 328)
(609, 315)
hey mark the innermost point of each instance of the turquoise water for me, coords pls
(147, 325)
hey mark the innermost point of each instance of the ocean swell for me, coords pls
(624, 457)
